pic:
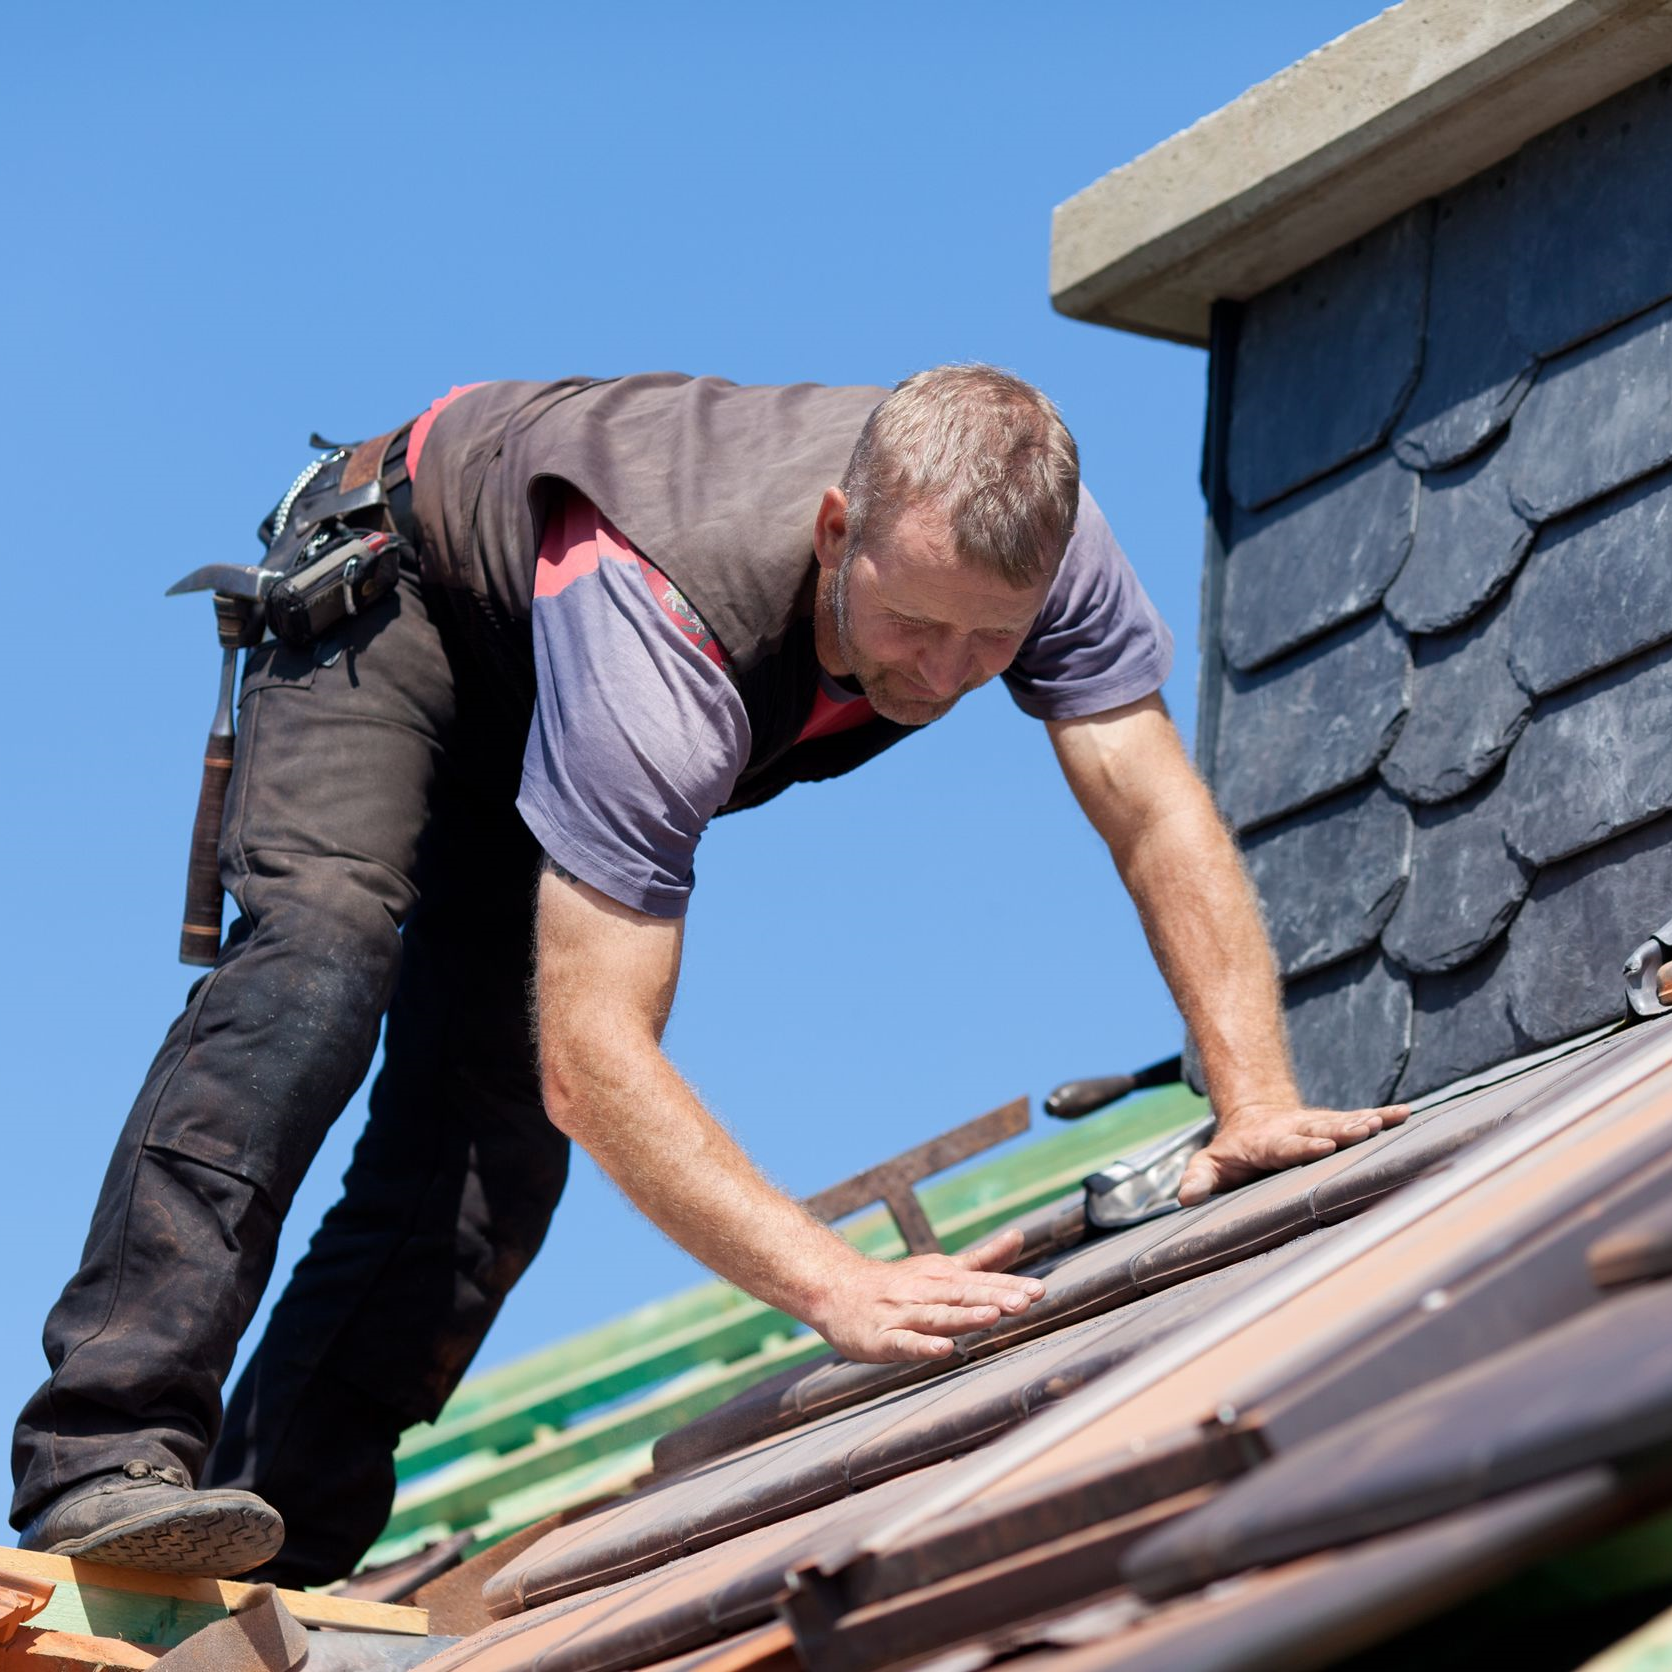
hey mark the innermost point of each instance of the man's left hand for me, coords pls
(1263, 1138)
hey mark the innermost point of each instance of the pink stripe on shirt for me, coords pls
(574, 541)
(421, 429)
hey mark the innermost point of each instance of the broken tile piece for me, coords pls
(1598, 417)
(1316, 722)
(1326, 360)
(1582, 917)
(1315, 559)
(1592, 242)
(1467, 709)
(1464, 887)
(1350, 1028)
(1468, 541)
(1597, 589)
(1330, 877)
(1460, 1024)
(1473, 372)
(1594, 761)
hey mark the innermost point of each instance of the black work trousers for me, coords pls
(378, 864)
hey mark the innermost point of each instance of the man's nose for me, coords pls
(945, 666)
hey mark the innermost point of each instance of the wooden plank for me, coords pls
(712, 1302)
(460, 1495)
(160, 1608)
(741, 1332)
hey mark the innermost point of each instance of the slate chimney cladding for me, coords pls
(1444, 621)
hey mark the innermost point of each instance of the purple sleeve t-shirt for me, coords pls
(639, 733)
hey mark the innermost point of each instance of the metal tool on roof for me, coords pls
(1145, 1184)
(1075, 1099)
(891, 1183)
(1649, 974)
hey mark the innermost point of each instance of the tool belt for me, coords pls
(335, 540)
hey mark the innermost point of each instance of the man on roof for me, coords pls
(630, 605)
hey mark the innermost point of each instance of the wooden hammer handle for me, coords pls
(200, 934)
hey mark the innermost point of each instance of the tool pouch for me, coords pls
(337, 536)
(338, 577)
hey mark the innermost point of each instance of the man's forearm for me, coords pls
(1203, 924)
(604, 984)
(629, 1108)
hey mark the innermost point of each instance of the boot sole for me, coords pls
(207, 1541)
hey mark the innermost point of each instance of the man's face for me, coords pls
(918, 627)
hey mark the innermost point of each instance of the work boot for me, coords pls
(141, 1516)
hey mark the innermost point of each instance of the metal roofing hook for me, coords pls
(1648, 980)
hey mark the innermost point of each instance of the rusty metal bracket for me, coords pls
(1649, 974)
(891, 1183)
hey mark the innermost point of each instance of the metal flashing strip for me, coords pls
(1481, 1162)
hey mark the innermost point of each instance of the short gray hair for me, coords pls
(987, 451)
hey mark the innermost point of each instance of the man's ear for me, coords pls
(830, 529)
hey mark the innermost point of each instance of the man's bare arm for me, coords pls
(604, 984)
(1129, 771)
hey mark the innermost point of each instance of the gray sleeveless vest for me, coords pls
(715, 483)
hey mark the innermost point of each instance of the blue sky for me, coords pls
(228, 227)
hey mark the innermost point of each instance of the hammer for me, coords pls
(238, 622)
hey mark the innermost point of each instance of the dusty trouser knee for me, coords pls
(446, 1202)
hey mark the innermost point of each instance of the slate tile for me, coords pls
(1593, 241)
(1326, 360)
(1597, 589)
(1473, 372)
(1461, 1023)
(1315, 559)
(1598, 417)
(1469, 540)
(1330, 877)
(1350, 1028)
(1467, 709)
(1594, 761)
(1465, 884)
(1312, 724)
(1582, 917)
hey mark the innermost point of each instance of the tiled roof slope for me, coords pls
(1293, 1422)
(1444, 629)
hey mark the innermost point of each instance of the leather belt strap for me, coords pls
(365, 463)
(260, 1635)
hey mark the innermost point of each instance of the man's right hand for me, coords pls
(889, 1311)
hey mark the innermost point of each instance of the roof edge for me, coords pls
(1407, 105)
